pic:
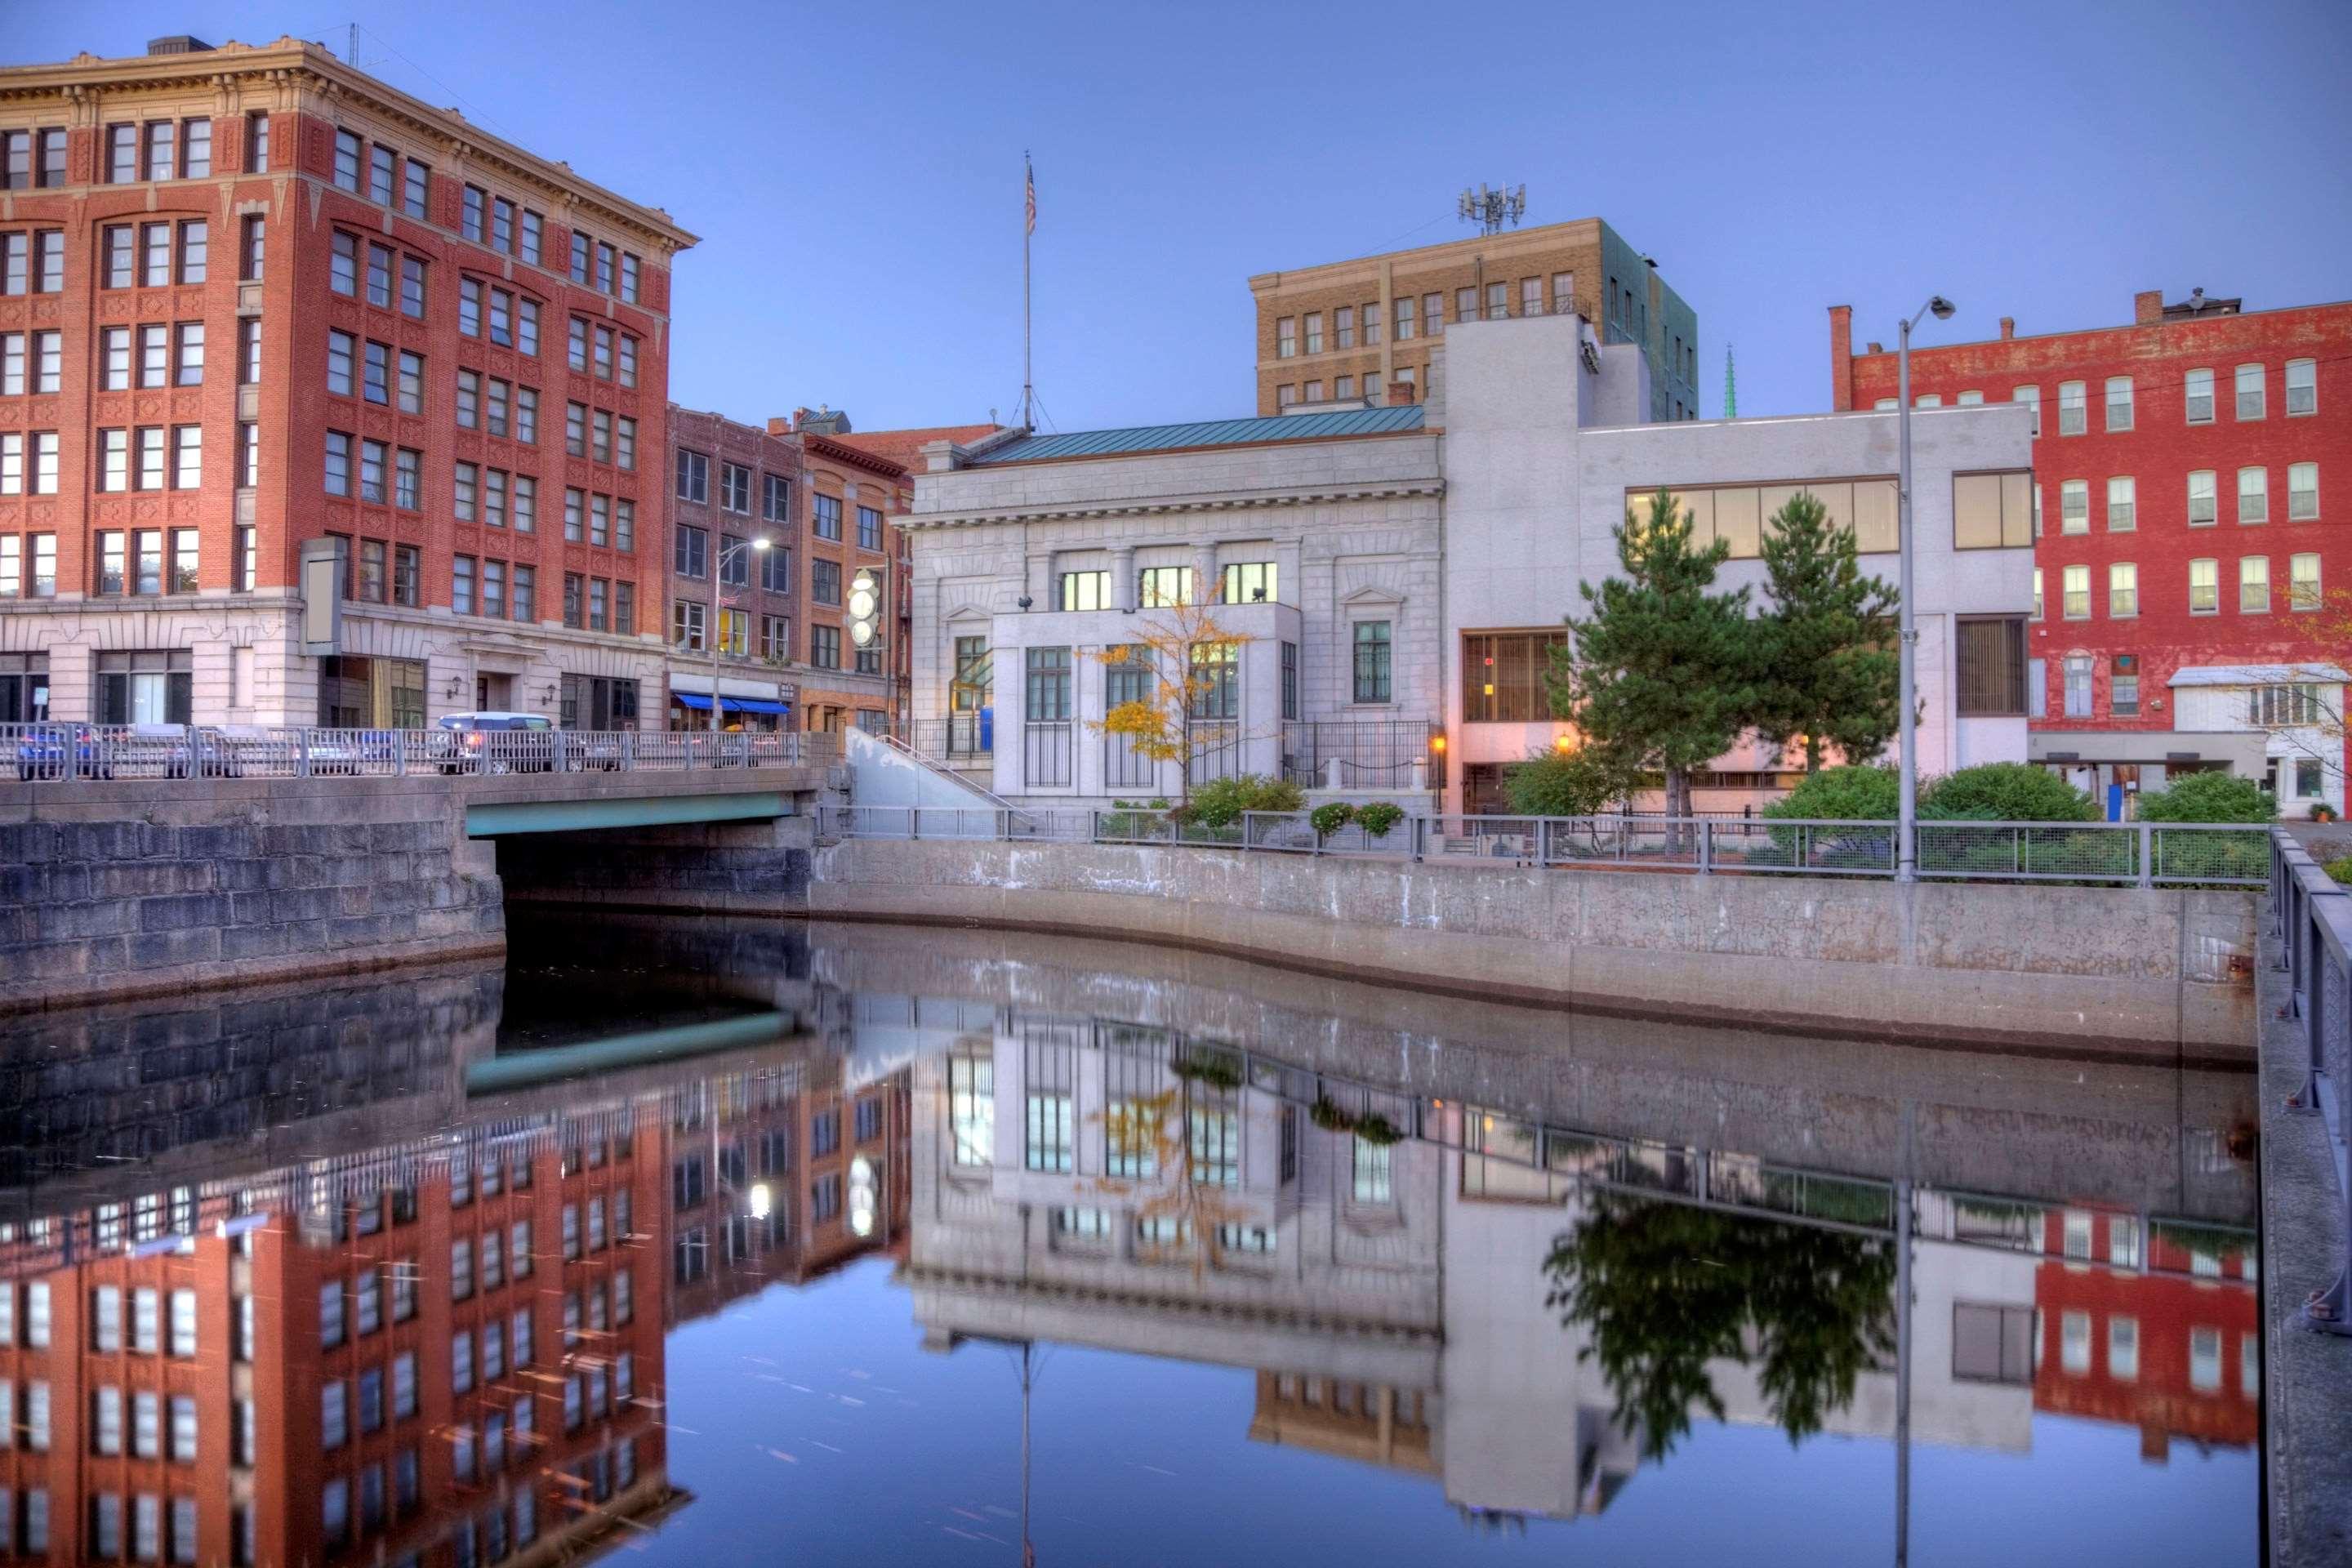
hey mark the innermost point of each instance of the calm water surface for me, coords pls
(739, 1242)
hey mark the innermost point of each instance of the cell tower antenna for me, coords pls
(1491, 209)
(1730, 386)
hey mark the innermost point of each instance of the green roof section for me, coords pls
(1394, 419)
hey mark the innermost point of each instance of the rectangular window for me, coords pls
(2119, 402)
(461, 584)
(1343, 327)
(1371, 316)
(1990, 666)
(2073, 507)
(826, 516)
(1285, 337)
(2123, 589)
(2253, 584)
(415, 188)
(2123, 702)
(2253, 495)
(2076, 603)
(1247, 583)
(2301, 387)
(2204, 587)
(1314, 330)
(2121, 510)
(1991, 511)
(2076, 672)
(2073, 411)
(469, 306)
(2196, 396)
(1505, 676)
(1371, 661)
(2249, 383)
(869, 529)
(2303, 593)
(2202, 512)
(159, 161)
(1405, 310)
(1498, 301)
(2302, 492)
(347, 160)
(1075, 590)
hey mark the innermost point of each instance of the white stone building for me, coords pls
(1395, 576)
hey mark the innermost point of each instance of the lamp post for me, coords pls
(1906, 825)
(719, 612)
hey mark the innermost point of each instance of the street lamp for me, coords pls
(719, 612)
(1907, 824)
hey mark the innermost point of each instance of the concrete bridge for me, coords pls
(140, 885)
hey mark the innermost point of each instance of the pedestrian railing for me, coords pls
(66, 754)
(2130, 854)
(2312, 920)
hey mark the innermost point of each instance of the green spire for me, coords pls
(1730, 386)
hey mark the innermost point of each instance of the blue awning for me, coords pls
(690, 700)
(729, 704)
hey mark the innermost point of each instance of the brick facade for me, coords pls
(2157, 450)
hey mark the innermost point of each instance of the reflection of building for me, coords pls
(433, 1343)
(781, 1171)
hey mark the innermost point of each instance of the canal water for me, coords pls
(732, 1242)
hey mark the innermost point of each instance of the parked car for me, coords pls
(50, 751)
(498, 743)
(353, 751)
(95, 752)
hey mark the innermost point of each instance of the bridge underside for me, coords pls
(498, 819)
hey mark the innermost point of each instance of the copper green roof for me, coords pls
(1389, 421)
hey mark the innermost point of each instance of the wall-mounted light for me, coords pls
(1437, 742)
(1025, 601)
(453, 688)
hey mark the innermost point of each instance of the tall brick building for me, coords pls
(730, 485)
(2182, 549)
(257, 307)
(1350, 331)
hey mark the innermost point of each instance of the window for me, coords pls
(2253, 495)
(2075, 606)
(825, 582)
(416, 184)
(184, 1323)
(1372, 672)
(1505, 675)
(687, 624)
(533, 227)
(1371, 316)
(1990, 666)
(2031, 397)
(2196, 396)
(2250, 392)
(869, 529)
(825, 646)
(2253, 584)
(1075, 590)
(2303, 590)
(2204, 591)
(1972, 399)
(826, 516)
(735, 488)
(1285, 337)
(2201, 506)
(469, 306)
(2275, 707)
(1928, 400)
(1247, 582)
(1371, 1172)
(2123, 702)
(2072, 414)
(1405, 309)
(2077, 672)
(1990, 511)
(2302, 492)
(692, 550)
(2120, 508)
(1343, 327)
(2123, 589)
(155, 355)
(2301, 387)
(2073, 507)
(2119, 402)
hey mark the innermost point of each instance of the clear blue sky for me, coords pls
(855, 168)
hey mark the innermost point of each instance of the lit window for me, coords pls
(2076, 604)
(2123, 589)
(2204, 587)
(2253, 584)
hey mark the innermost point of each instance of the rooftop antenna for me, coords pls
(352, 56)
(1490, 210)
(1730, 386)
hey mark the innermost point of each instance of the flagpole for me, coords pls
(1028, 228)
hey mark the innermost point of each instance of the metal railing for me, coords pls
(67, 752)
(958, 738)
(1369, 753)
(2312, 920)
(2139, 854)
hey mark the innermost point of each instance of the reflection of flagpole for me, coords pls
(1903, 1351)
(1028, 1551)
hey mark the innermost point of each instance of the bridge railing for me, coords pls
(66, 753)
(2311, 916)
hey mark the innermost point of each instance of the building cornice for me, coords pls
(85, 81)
(816, 446)
(1231, 500)
(1543, 239)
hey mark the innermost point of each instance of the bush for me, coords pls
(1377, 818)
(1135, 819)
(1582, 783)
(2340, 869)
(1843, 794)
(1330, 817)
(2209, 796)
(2005, 791)
(1219, 802)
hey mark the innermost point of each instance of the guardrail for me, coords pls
(2131, 854)
(66, 753)
(2312, 917)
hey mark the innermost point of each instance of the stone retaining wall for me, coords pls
(2158, 973)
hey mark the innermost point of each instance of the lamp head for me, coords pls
(761, 543)
(1941, 308)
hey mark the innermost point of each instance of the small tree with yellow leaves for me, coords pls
(1189, 666)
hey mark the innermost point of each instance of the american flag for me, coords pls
(1030, 182)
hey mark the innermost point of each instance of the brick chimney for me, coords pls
(780, 424)
(1840, 358)
(2147, 305)
(1402, 391)
(2008, 328)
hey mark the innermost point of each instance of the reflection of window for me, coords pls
(2078, 1234)
(1090, 1227)
(1047, 1145)
(2075, 1341)
(2204, 1359)
(2123, 1241)
(2123, 1348)
(1371, 1172)
(971, 1107)
(1992, 1344)
(1216, 1142)
(1133, 1148)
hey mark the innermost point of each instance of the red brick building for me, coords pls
(2181, 469)
(730, 485)
(256, 306)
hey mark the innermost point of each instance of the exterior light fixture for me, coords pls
(760, 1200)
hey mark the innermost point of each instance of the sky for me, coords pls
(854, 170)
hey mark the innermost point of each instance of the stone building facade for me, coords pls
(1368, 330)
(261, 308)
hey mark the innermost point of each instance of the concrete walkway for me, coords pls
(2307, 1377)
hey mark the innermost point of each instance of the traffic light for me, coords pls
(864, 608)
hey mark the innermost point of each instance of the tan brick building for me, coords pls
(1348, 331)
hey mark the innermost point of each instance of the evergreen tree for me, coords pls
(1659, 671)
(1829, 665)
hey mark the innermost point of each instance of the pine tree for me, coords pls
(1828, 663)
(1659, 671)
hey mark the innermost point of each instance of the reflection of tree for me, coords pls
(1166, 1147)
(1663, 1289)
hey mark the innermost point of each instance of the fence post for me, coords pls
(400, 753)
(303, 758)
(1417, 841)
(1706, 848)
(2147, 855)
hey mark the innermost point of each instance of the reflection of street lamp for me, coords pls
(719, 612)
(760, 1200)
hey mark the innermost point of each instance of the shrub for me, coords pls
(1378, 1129)
(1327, 1115)
(1330, 817)
(1221, 801)
(1841, 795)
(1218, 1070)
(1582, 783)
(2209, 796)
(1379, 818)
(2341, 868)
(2006, 791)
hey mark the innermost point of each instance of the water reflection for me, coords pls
(394, 1271)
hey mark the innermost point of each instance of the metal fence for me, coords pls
(65, 753)
(1362, 753)
(2312, 920)
(2142, 854)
